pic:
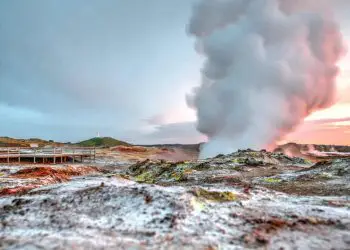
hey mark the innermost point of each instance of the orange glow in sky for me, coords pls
(332, 125)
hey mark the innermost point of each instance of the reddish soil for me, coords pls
(45, 175)
(61, 173)
(17, 190)
(126, 149)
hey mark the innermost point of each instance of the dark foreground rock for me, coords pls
(228, 202)
(323, 178)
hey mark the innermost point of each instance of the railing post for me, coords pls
(54, 155)
(73, 155)
(94, 154)
(19, 155)
(34, 155)
(8, 155)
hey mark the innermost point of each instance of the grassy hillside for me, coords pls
(93, 142)
(102, 142)
(12, 142)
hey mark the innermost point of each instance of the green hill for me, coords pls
(13, 142)
(102, 142)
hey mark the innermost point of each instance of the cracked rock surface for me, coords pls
(237, 201)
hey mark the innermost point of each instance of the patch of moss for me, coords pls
(177, 176)
(188, 171)
(239, 160)
(146, 177)
(152, 172)
(139, 167)
(237, 168)
(179, 172)
(253, 153)
(216, 196)
(308, 161)
(272, 180)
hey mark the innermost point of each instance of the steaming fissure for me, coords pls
(268, 65)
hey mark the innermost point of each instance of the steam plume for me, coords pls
(268, 65)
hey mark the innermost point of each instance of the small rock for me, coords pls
(148, 199)
(346, 238)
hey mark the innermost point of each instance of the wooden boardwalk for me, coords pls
(46, 155)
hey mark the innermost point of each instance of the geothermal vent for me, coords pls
(268, 65)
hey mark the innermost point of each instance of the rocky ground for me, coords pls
(246, 200)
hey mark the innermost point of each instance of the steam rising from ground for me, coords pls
(268, 65)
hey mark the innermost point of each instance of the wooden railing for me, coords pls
(52, 153)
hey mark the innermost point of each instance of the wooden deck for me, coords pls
(45, 155)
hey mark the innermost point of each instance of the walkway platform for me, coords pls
(46, 155)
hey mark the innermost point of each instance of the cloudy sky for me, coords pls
(72, 68)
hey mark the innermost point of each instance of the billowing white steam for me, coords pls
(268, 65)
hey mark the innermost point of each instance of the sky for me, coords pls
(72, 68)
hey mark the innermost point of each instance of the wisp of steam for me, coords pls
(268, 65)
